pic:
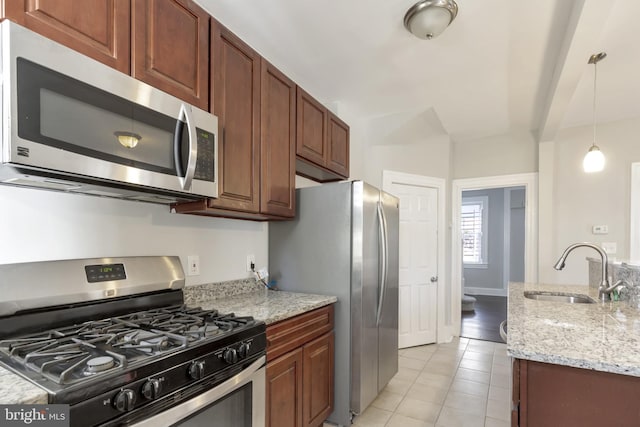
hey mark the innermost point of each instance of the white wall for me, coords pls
(571, 202)
(38, 225)
(498, 155)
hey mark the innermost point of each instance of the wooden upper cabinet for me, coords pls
(235, 93)
(170, 48)
(99, 29)
(338, 146)
(322, 141)
(312, 129)
(278, 131)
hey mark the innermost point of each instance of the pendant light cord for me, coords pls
(595, 79)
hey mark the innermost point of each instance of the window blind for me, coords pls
(471, 222)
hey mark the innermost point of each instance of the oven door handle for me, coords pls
(183, 410)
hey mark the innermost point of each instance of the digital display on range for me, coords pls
(105, 272)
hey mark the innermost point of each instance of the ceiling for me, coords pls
(502, 66)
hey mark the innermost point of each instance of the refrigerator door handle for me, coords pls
(382, 227)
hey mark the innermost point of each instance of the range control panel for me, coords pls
(105, 272)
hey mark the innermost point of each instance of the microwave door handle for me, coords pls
(185, 116)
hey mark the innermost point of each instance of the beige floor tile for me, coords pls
(450, 417)
(473, 375)
(501, 360)
(372, 417)
(419, 353)
(499, 409)
(442, 368)
(398, 420)
(470, 387)
(407, 374)
(471, 404)
(474, 355)
(499, 393)
(387, 401)
(427, 393)
(435, 380)
(419, 410)
(500, 380)
(398, 386)
(492, 422)
(476, 365)
(500, 369)
(446, 358)
(407, 362)
(456, 343)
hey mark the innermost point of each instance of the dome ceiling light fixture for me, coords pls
(427, 19)
(594, 159)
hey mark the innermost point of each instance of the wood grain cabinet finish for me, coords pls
(553, 395)
(171, 48)
(322, 141)
(284, 390)
(300, 369)
(317, 368)
(277, 144)
(100, 29)
(235, 93)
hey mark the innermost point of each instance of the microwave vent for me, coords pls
(46, 184)
(23, 151)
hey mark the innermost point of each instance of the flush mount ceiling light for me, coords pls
(594, 159)
(429, 18)
(128, 139)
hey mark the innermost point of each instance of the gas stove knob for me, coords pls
(243, 350)
(124, 400)
(196, 370)
(230, 355)
(151, 389)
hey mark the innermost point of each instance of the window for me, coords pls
(474, 231)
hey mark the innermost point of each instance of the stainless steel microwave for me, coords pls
(71, 123)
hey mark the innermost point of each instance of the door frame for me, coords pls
(527, 180)
(392, 177)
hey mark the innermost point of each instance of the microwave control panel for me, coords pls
(205, 165)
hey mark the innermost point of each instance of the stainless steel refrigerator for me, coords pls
(344, 242)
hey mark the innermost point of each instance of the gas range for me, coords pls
(115, 365)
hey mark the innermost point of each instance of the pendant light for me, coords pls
(594, 159)
(429, 18)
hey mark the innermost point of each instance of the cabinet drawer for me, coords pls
(292, 333)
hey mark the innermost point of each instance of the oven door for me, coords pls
(237, 402)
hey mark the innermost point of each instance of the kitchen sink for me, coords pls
(559, 297)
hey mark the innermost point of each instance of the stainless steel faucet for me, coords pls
(604, 290)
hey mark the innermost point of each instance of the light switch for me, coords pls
(600, 229)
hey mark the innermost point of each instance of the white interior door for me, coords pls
(418, 264)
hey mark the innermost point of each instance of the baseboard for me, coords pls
(485, 291)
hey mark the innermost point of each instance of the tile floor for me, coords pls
(464, 383)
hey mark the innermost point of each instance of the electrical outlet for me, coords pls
(251, 261)
(610, 247)
(194, 265)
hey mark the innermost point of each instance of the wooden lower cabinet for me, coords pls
(300, 381)
(284, 390)
(546, 394)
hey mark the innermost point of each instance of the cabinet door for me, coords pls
(338, 146)
(99, 29)
(284, 391)
(236, 101)
(277, 146)
(318, 380)
(171, 48)
(312, 129)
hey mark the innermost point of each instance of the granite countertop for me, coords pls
(15, 390)
(268, 306)
(604, 336)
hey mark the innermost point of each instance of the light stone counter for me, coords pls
(601, 336)
(268, 306)
(15, 390)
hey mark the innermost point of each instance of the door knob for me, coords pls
(434, 279)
